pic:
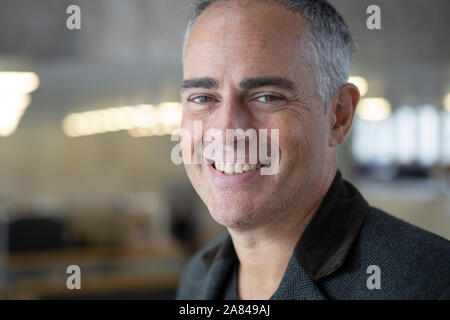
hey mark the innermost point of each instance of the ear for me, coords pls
(343, 106)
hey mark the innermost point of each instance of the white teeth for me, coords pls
(229, 168)
(234, 168)
(238, 168)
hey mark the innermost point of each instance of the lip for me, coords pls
(236, 179)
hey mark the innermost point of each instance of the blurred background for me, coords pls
(85, 120)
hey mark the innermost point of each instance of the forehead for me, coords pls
(245, 39)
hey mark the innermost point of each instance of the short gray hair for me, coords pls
(329, 53)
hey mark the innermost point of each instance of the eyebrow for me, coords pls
(245, 84)
(253, 83)
(203, 83)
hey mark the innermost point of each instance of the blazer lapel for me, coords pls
(297, 285)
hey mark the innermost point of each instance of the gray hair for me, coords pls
(329, 53)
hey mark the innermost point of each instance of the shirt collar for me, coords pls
(327, 239)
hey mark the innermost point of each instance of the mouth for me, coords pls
(234, 173)
(232, 169)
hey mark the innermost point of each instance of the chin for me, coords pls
(235, 215)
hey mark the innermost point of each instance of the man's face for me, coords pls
(257, 77)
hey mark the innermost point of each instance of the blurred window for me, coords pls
(406, 134)
(408, 137)
(445, 138)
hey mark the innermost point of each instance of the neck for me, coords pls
(264, 252)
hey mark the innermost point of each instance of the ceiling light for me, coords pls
(360, 83)
(18, 82)
(447, 102)
(373, 109)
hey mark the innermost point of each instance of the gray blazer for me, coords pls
(332, 257)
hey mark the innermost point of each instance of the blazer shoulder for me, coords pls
(415, 262)
(388, 230)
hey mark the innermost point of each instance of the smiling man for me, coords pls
(302, 232)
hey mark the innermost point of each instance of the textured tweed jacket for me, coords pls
(332, 257)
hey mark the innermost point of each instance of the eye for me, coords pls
(201, 99)
(269, 98)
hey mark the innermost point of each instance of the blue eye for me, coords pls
(269, 98)
(202, 99)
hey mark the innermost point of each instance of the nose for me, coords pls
(232, 114)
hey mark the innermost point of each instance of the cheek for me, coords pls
(189, 136)
(300, 141)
